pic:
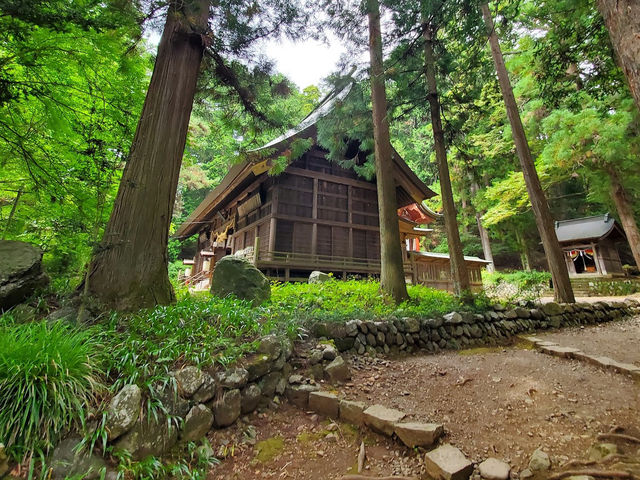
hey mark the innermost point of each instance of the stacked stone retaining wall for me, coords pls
(465, 329)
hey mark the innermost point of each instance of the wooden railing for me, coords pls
(195, 279)
(310, 260)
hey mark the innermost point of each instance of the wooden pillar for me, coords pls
(256, 248)
(314, 215)
(273, 221)
(350, 220)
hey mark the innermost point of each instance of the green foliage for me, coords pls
(344, 300)
(517, 285)
(70, 96)
(618, 287)
(191, 462)
(203, 330)
(49, 374)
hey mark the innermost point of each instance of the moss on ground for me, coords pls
(268, 449)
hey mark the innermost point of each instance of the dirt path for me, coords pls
(292, 444)
(618, 340)
(503, 402)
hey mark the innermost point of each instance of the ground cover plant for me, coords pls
(54, 373)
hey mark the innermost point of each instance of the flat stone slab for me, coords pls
(545, 343)
(324, 403)
(414, 434)
(494, 469)
(566, 352)
(448, 463)
(382, 419)
(352, 412)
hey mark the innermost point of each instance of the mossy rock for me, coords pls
(236, 276)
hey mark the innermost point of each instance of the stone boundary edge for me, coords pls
(455, 331)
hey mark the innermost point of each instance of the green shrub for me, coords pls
(345, 300)
(516, 285)
(49, 374)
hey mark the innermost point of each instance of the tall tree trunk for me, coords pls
(12, 213)
(484, 235)
(525, 259)
(563, 291)
(625, 212)
(129, 270)
(622, 18)
(392, 280)
(459, 273)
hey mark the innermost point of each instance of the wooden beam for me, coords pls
(330, 223)
(330, 178)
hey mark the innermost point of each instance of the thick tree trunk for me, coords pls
(459, 273)
(555, 257)
(392, 280)
(129, 271)
(484, 236)
(622, 18)
(625, 212)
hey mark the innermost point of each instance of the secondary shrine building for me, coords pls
(316, 215)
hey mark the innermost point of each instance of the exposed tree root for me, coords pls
(618, 436)
(593, 473)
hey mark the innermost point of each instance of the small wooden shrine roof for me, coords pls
(587, 229)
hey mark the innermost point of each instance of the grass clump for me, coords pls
(361, 299)
(49, 373)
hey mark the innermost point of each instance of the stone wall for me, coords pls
(465, 330)
(193, 401)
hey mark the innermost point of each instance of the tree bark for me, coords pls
(459, 273)
(392, 281)
(622, 19)
(563, 291)
(129, 269)
(12, 213)
(625, 212)
(484, 236)
(525, 259)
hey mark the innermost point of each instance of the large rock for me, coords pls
(552, 308)
(319, 277)
(415, 434)
(494, 469)
(189, 380)
(123, 411)
(539, 461)
(227, 409)
(233, 275)
(447, 463)
(197, 424)
(20, 272)
(382, 419)
(337, 371)
(324, 403)
(299, 394)
(66, 462)
(151, 435)
(250, 397)
(352, 411)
